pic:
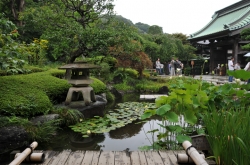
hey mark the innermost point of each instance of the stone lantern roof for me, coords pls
(79, 65)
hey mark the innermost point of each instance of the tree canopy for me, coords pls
(74, 28)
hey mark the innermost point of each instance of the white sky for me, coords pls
(174, 16)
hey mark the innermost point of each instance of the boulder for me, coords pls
(12, 137)
(163, 90)
(44, 118)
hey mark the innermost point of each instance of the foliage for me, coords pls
(142, 27)
(14, 56)
(110, 97)
(239, 74)
(98, 86)
(6, 26)
(68, 116)
(245, 35)
(155, 30)
(41, 132)
(124, 20)
(28, 95)
(226, 129)
(124, 114)
(187, 71)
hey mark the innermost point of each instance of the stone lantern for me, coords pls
(77, 74)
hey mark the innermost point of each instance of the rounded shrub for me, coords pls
(98, 86)
(32, 94)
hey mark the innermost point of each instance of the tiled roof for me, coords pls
(231, 18)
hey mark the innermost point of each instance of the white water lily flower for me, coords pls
(88, 132)
(180, 75)
(170, 77)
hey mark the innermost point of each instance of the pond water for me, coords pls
(129, 137)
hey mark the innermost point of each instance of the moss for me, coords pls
(33, 69)
(98, 86)
(33, 94)
(110, 97)
(28, 95)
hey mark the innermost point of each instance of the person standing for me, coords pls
(178, 67)
(231, 68)
(172, 65)
(169, 68)
(247, 68)
(158, 66)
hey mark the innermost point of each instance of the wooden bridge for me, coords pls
(68, 157)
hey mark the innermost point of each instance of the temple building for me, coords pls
(220, 38)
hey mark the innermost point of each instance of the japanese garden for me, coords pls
(73, 67)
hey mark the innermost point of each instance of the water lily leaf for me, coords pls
(85, 136)
(182, 138)
(163, 109)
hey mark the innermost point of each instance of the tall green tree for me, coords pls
(72, 27)
(155, 30)
(245, 35)
(142, 26)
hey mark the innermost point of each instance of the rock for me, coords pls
(12, 137)
(101, 98)
(163, 90)
(93, 109)
(44, 118)
(116, 93)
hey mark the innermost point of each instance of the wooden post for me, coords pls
(24, 154)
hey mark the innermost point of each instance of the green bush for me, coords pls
(32, 94)
(98, 86)
(33, 69)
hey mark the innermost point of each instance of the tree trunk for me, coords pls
(17, 6)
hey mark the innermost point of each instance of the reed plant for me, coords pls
(228, 135)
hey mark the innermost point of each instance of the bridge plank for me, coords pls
(64, 157)
(88, 157)
(142, 157)
(49, 155)
(135, 159)
(96, 157)
(153, 158)
(106, 158)
(169, 155)
(75, 158)
(122, 158)
(59, 158)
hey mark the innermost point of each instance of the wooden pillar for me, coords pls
(235, 49)
(212, 58)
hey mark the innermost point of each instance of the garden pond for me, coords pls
(131, 136)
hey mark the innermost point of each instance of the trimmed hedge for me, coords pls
(33, 94)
